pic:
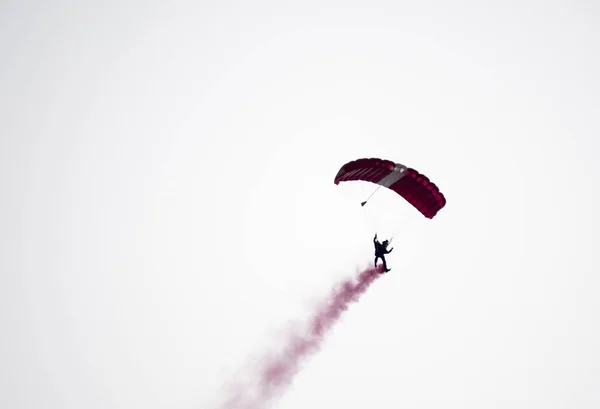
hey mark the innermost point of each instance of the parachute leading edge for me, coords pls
(414, 187)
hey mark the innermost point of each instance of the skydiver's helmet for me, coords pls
(385, 243)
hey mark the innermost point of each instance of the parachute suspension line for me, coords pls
(375, 191)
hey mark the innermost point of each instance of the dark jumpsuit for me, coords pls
(380, 252)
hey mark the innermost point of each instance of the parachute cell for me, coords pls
(414, 187)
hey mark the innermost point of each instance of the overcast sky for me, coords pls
(167, 200)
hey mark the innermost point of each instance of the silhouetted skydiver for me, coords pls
(380, 251)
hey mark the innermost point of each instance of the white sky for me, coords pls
(167, 200)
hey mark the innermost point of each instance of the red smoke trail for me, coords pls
(275, 372)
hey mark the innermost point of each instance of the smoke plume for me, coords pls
(274, 372)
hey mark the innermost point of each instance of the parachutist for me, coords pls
(380, 252)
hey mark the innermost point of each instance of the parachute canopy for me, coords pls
(416, 188)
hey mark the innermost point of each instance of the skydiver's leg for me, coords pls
(376, 258)
(384, 263)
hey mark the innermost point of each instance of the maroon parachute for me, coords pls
(407, 182)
